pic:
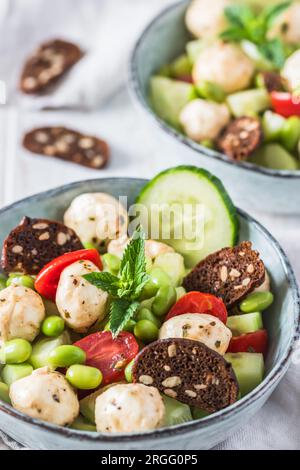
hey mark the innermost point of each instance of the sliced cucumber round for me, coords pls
(188, 208)
(248, 368)
(176, 412)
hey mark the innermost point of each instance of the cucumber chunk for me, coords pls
(249, 102)
(176, 412)
(252, 51)
(272, 124)
(13, 372)
(88, 403)
(82, 424)
(168, 97)
(188, 208)
(248, 368)
(43, 347)
(198, 413)
(194, 49)
(246, 323)
(181, 66)
(274, 156)
(173, 265)
(4, 392)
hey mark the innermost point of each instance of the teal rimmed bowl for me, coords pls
(282, 322)
(251, 186)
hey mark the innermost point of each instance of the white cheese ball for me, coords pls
(291, 70)
(21, 313)
(129, 408)
(202, 327)
(79, 302)
(45, 395)
(152, 247)
(205, 18)
(226, 65)
(204, 119)
(96, 217)
(287, 25)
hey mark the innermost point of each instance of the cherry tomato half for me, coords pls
(109, 355)
(198, 302)
(47, 280)
(285, 104)
(250, 342)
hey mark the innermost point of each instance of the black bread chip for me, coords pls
(188, 371)
(240, 138)
(68, 145)
(272, 81)
(35, 242)
(47, 64)
(230, 273)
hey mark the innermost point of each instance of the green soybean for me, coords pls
(146, 331)
(128, 371)
(146, 314)
(82, 424)
(84, 377)
(4, 392)
(157, 278)
(164, 299)
(89, 246)
(66, 355)
(256, 302)
(111, 262)
(16, 351)
(13, 372)
(180, 292)
(53, 326)
(25, 281)
(290, 133)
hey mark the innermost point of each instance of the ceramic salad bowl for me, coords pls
(282, 324)
(251, 186)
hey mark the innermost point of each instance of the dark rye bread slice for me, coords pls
(231, 273)
(188, 371)
(35, 242)
(240, 138)
(69, 145)
(47, 64)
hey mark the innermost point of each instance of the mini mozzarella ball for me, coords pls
(291, 70)
(45, 395)
(199, 327)
(79, 302)
(226, 65)
(21, 313)
(205, 18)
(117, 247)
(204, 119)
(265, 286)
(129, 408)
(287, 24)
(152, 247)
(96, 217)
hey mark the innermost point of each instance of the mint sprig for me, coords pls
(127, 287)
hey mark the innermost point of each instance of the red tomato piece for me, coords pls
(198, 302)
(109, 355)
(285, 104)
(250, 342)
(47, 280)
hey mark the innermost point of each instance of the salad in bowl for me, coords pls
(128, 320)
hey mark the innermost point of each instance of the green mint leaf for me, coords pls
(121, 311)
(105, 281)
(270, 13)
(239, 15)
(274, 51)
(233, 34)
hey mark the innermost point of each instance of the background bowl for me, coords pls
(282, 322)
(251, 186)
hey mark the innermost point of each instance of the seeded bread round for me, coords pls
(188, 371)
(240, 138)
(35, 242)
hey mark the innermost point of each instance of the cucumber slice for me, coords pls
(249, 102)
(274, 156)
(246, 323)
(198, 413)
(43, 347)
(82, 424)
(181, 66)
(194, 49)
(176, 412)
(13, 372)
(248, 368)
(173, 265)
(203, 198)
(272, 124)
(168, 97)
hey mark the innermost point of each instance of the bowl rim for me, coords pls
(138, 97)
(267, 384)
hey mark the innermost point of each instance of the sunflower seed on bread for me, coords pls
(230, 273)
(35, 242)
(188, 371)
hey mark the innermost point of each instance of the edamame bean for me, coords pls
(66, 355)
(146, 331)
(13, 372)
(4, 392)
(256, 302)
(89, 246)
(164, 299)
(111, 262)
(146, 314)
(147, 303)
(3, 281)
(82, 424)
(180, 292)
(25, 281)
(16, 351)
(84, 377)
(128, 371)
(290, 133)
(157, 278)
(53, 326)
